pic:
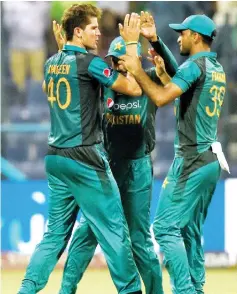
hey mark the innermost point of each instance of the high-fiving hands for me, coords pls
(148, 27)
(130, 30)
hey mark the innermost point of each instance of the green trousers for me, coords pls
(134, 179)
(81, 177)
(182, 208)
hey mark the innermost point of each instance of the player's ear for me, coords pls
(196, 37)
(78, 32)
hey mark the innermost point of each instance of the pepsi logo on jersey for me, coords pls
(110, 102)
(123, 106)
(108, 72)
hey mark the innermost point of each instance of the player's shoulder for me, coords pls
(51, 59)
(186, 64)
(91, 59)
(190, 66)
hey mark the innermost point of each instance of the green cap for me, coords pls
(117, 48)
(201, 24)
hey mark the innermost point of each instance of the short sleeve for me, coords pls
(101, 71)
(186, 75)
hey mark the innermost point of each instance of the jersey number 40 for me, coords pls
(51, 89)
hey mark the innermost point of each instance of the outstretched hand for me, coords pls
(130, 30)
(60, 39)
(148, 27)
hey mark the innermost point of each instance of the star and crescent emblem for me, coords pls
(118, 46)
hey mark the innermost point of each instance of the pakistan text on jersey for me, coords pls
(128, 119)
(218, 77)
(59, 69)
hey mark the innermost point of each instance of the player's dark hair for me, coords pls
(78, 15)
(208, 40)
(115, 59)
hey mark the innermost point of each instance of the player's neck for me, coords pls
(199, 48)
(76, 42)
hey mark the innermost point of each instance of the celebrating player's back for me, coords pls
(77, 168)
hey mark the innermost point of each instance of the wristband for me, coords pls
(131, 43)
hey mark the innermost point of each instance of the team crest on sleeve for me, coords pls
(110, 102)
(108, 72)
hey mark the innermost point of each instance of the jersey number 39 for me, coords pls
(217, 97)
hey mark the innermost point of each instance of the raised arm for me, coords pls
(186, 76)
(130, 32)
(148, 31)
(100, 69)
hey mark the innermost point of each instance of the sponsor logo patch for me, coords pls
(108, 72)
(110, 102)
(123, 106)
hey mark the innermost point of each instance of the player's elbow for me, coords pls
(137, 91)
(160, 102)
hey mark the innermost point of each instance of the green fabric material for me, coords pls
(73, 78)
(134, 178)
(100, 70)
(67, 47)
(186, 75)
(198, 109)
(63, 134)
(184, 199)
(171, 64)
(129, 123)
(96, 193)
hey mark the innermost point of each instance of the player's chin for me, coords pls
(184, 52)
(94, 46)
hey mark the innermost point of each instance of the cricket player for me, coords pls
(198, 88)
(77, 168)
(129, 131)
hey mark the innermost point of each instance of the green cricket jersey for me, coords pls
(203, 81)
(73, 80)
(129, 123)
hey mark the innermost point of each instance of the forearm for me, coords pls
(131, 49)
(134, 84)
(152, 90)
(171, 64)
(164, 78)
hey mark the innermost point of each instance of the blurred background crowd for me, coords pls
(27, 41)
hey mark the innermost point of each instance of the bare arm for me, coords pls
(148, 31)
(158, 94)
(127, 85)
(129, 31)
(165, 78)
